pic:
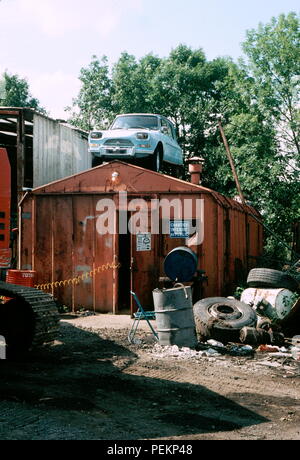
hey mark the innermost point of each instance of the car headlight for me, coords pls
(142, 136)
(96, 135)
(94, 146)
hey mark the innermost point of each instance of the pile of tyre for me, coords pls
(229, 319)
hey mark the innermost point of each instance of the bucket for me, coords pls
(174, 316)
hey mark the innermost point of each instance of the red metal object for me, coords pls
(196, 169)
(59, 237)
(5, 202)
(21, 277)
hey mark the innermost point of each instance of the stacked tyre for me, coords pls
(273, 294)
(272, 279)
(222, 318)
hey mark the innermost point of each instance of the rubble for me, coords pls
(265, 355)
(174, 351)
(211, 348)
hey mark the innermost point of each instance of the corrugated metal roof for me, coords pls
(133, 179)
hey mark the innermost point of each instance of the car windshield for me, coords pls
(135, 121)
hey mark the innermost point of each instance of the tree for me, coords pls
(260, 109)
(273, 51)
(257, 99)
(15, 93)
(129, 88)
(93, 106)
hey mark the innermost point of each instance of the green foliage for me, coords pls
(258, 99)
(273, 51)
(93, 105)
(14, 92)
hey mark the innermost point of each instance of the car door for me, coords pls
(176, 149)
(172, 151)
(166, 139)
(144, 266)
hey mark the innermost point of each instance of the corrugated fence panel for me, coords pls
(58, 151)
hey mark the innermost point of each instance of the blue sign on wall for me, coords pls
(180, 228)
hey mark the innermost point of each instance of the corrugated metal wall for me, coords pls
(58, 151)
(59, 237)
(60, 242)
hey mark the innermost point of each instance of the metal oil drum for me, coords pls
(180, 264)
(274, 304)
(174, 316)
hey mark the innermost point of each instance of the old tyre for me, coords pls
(222, 318)
(267, 278)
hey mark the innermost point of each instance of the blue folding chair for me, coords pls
(138, 316)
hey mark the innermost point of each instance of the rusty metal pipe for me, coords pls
(231, 161)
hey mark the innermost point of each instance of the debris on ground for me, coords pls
(272, 356)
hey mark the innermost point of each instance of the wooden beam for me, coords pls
(20, 154)
(12, 128)
(9, 113)
(6, 139)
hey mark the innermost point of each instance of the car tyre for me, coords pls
(268, 278)
(222, 318)
(96, 162)
(157, 160)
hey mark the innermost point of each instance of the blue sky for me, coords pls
(48, 41)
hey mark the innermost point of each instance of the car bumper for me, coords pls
(126, 153)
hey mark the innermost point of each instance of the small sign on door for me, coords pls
(143, 242)
(180, 228)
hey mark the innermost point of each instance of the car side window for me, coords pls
(171, 129)
(167, 127)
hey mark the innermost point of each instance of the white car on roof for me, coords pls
(148, 139)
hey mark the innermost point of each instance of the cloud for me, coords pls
(55, 91)
(56, 18)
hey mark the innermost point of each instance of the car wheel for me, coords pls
(157, 160)
(222, 318)
(267, 278)
(96, 162)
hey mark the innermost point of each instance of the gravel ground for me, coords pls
(92, 384)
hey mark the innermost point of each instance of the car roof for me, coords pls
(148, 114)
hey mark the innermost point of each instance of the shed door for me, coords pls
(143, 268)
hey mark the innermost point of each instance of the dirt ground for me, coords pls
(91, 384)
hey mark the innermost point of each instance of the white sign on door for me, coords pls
(143, 242)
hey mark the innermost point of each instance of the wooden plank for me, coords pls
(20, 154)
(11, 127)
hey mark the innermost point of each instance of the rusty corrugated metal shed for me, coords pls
(60, 241)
